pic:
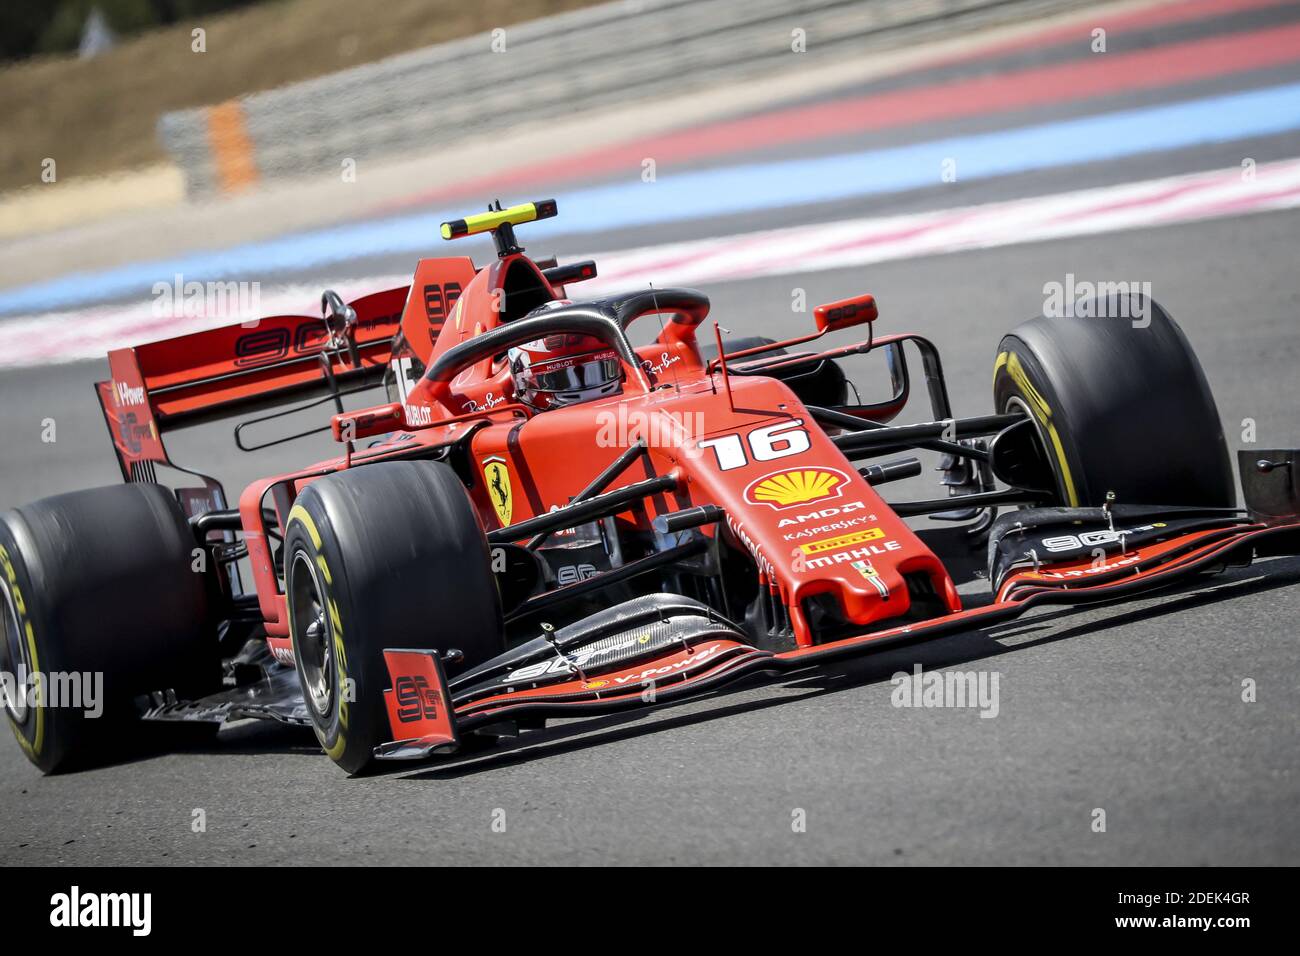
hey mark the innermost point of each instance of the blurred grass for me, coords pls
(98, 116)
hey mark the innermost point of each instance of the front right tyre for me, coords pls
(1120, 404)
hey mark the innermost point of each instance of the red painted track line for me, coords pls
(1137, 202)
(897, 236)
(1095, 76)
(1242, 202)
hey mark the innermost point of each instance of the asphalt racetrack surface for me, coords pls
(1136, 709)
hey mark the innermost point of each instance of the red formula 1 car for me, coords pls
(546, 521)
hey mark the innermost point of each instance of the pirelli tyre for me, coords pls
(1121, 404)
(384, 555)
(102, 595)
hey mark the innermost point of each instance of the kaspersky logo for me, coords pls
(796, 486)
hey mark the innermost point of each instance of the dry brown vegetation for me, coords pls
(97, 116)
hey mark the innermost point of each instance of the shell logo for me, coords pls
(595, 684)
(796, 486)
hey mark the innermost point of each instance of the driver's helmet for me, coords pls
(564, 369)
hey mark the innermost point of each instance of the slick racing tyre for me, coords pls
(1120, 404)
(99, 585)
(384, 555)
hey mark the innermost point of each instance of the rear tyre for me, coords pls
(1120, 405)
(384, 555)
(100, 582)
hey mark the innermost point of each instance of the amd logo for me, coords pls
(823, 513)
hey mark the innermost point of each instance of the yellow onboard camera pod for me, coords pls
(494, 219)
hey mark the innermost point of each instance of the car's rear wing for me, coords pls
(226, 371)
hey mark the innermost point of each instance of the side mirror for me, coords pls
(341, 323)
(368, 422)
(846, 313)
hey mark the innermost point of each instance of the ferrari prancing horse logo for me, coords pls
(497, 476)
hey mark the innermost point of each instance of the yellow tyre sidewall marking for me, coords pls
(335, 751)
(31, 747)
(1042, 411)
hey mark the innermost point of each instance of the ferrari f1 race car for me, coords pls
(545, 520)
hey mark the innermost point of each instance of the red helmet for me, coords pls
(564, 369)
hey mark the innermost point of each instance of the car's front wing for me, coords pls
(704, 664)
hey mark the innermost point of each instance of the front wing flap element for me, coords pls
(419, 707)
(1207, 543)
(1078, 542)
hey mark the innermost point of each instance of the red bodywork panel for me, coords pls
(811, 523)
(437, 288)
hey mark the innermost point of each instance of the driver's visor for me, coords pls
(592, 373)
